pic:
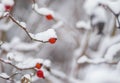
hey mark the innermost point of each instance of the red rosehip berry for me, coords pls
(40, 74)
(8, 7)
(49, 17)
(38, 66)
(52, 40)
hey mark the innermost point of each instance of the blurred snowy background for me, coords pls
(87, 49)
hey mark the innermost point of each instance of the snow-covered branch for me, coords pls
(40, 37)
(17, 67)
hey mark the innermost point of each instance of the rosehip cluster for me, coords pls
(39, 72)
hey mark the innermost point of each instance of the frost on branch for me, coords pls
(58, 25)
(89, 54)
(23, 24)
(114, 6)
(42, 11)
(44, 36)
(101, 75)
(84, 59)
(48, 13)
(25, 64)
(21, 62)
(6, 26)
(111, 54)
(19, 45)
(82, 24)
(2, 10)
(4, 75)
(40, 37)
(47, 63)
(8, 2)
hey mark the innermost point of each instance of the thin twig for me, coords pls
(34, 2)
(15, 65)
(4, 15)
(116, 15)
(24, 28)
(9, 78)
(4, 78)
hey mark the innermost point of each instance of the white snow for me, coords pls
(82, 59)
(1, 14)
(114, 6)
(58, 73)
(8, 46)
(17, 44)
(107, 42)
(23, 24)
(10, 56)
(42, 11)
(16, 56)
(2, 8)
(44, 36)
(26, 46)
(112, 51)
(7, 61)
(8, 2)
(90, 5)
(59, 24)
(83, 24)
(98, 74)
(100, 15)
(29, 63)
(47, 63)
(78, 52)
(4, 75)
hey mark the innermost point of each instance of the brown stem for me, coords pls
(9, 78)
(34, 2)
(116, 15)
(15, 65)
(24, 28)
